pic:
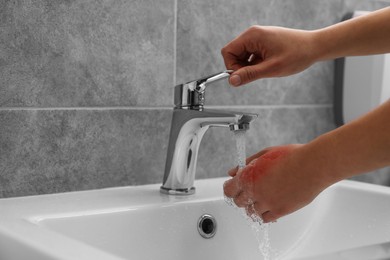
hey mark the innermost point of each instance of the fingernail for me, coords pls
(235, 80)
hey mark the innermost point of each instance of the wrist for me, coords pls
(320, 162)
(323, 45)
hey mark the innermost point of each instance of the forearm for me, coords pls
(365, 35)
(360, 146)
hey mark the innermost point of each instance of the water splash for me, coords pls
(261, 231)
(259, 228)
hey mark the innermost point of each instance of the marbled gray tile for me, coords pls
(48, 151)
(364, 5)
(86, 53)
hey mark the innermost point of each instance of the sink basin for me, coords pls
(346, 221)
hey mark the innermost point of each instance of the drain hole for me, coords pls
(207, 226)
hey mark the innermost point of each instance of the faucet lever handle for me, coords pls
(201, 83)
(191, 95)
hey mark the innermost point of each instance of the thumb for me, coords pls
(248, 74)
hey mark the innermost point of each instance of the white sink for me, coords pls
(350, 220)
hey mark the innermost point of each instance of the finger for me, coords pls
(258, 154)
(251, 211)
(268, 217)
(247, 74)
(234, 53)
(233, 172)
(242, 200)
(243, 50)
(236, 63)
(254, 211)
(231, 188)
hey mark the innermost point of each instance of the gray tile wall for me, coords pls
(86, 87)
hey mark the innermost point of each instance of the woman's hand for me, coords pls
(262, 52)
(265, 51)
(274, 183)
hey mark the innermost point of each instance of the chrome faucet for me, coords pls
(190, 122)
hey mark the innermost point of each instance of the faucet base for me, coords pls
(177, 191)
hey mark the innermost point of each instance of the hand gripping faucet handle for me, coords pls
(191, 95)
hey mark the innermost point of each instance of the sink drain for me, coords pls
(207, 226)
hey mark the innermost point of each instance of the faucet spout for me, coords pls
(187, 130)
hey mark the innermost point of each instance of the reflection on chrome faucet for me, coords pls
(189, 123)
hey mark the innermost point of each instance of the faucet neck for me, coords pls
(187, 130)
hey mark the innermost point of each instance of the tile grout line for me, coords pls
(227, 107)
(279, 106)
(84, 108)
(174, 41)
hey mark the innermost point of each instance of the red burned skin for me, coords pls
(260, 166)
